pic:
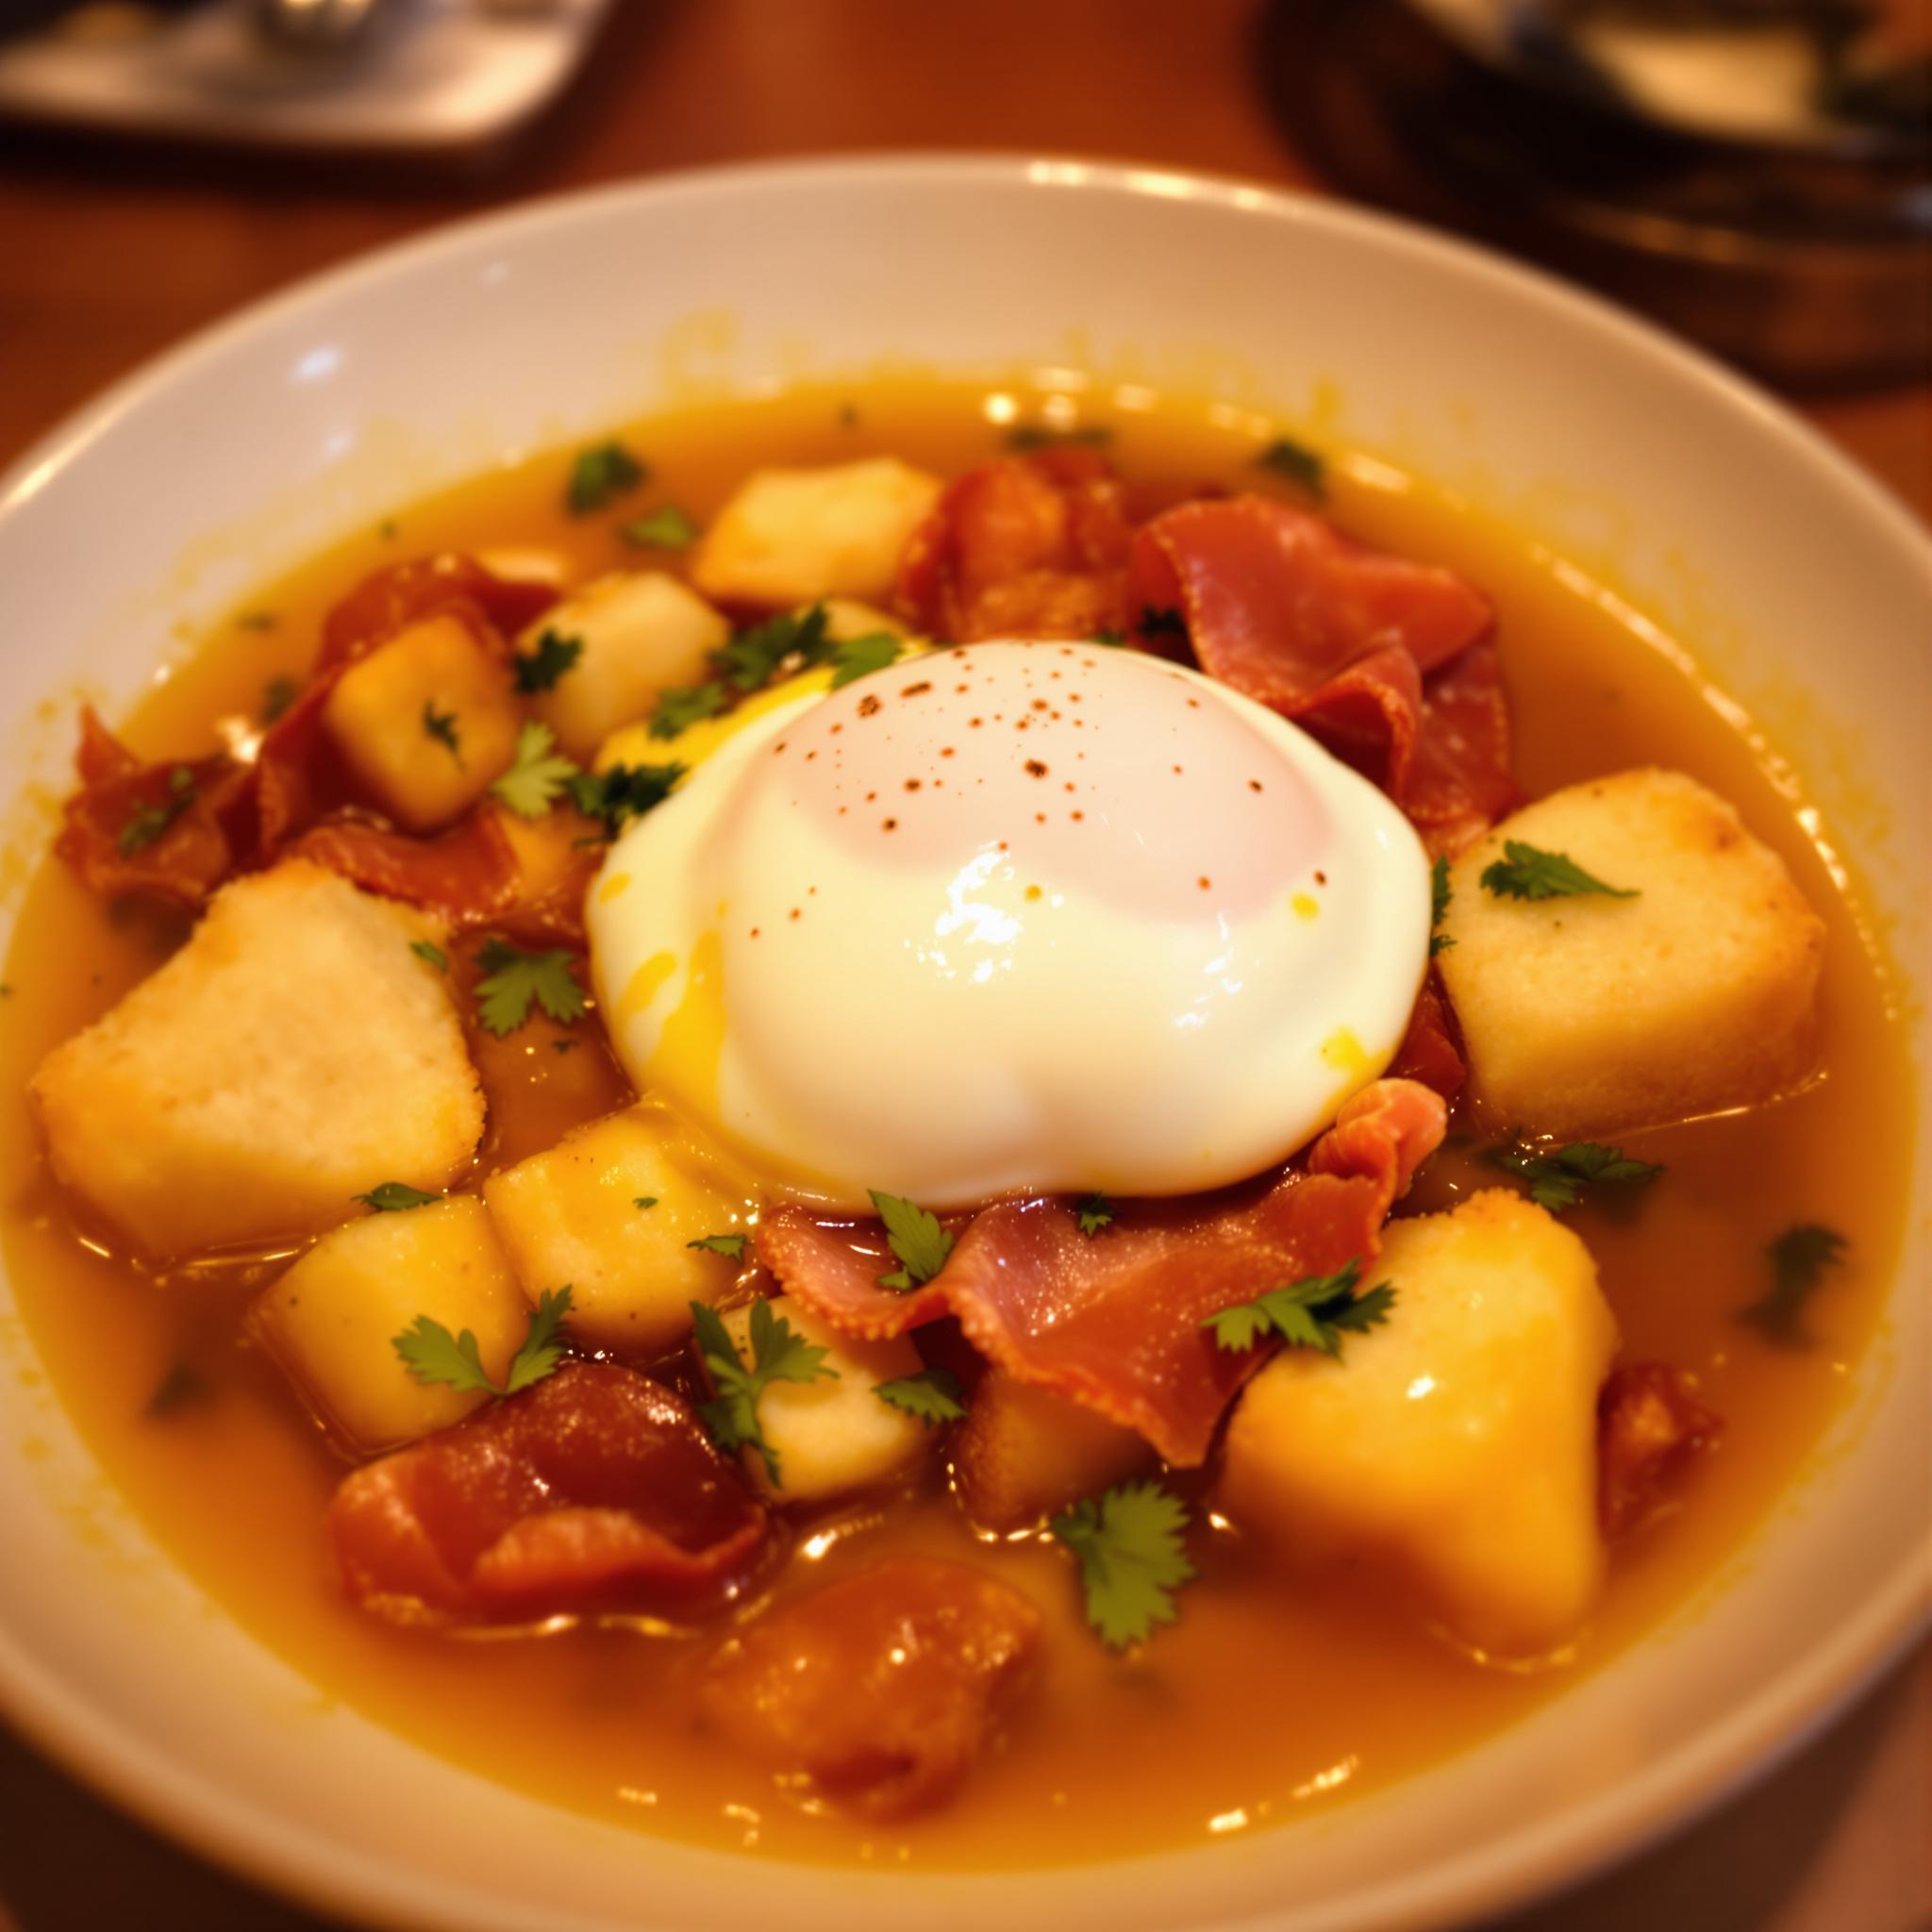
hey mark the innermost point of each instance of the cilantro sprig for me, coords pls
(624, 792)
(395, 1197)
(538, 773)
(860, 657)
(147, 822)
(915, 1237)
(430, 954)
(1557, 1179)
(1314, 1312)
(433, 1355)
(666, 527)
(749, 660)
(597, 474)
(1527, 871)
(1440, 893)
(683, 706)
(442, 725)
(554, 654)
(1300, 464)
(1157, 619)
(1095, 1211)
(731, 1246)
(1130, 1547)
(778, 1353)
(1799, 1258)
(932, 1395)
(515, 981)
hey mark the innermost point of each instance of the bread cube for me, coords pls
(1587, 1014)
(293, 1054)
(1023, 1453)
(641, 631)
(835, 1435)
(1454, 1447)
(611, 1209)
(795, 536)
(332, 1319)
(426, 723)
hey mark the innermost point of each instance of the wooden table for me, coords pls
(107, 256)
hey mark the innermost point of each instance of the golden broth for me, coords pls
(1264, 1700)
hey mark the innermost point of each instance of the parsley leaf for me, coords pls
(644, 1201)
(1095, 1211)
(1527, 871)
(732, 1245)
(391, 1198)
(432, 1353)
(539, 670)
(276, 696)
(1155, 619)
(913, 1235)
(430, 954)
(624, 792)
(777, 1355)
(1298, 463)
(1132, 1556)
(1107, 635)
(666, 527)
(1440, 895)
(514, 979)
(600, 473)
(442, 725)
(1030, 436)
(146, 823)
(1798, 1258)
(932, 1395)
(752, 657)
(1557, 1180)
(682, 707)
(538, 773)
(862, 655)
(1314, 1312)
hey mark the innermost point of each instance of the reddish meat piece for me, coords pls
(469, 873)
(594, 1490)
(1429, 1052)
(1113, 1320)
(880, 1689)
(399, 594)
(1651, 1427)
(1026, 547)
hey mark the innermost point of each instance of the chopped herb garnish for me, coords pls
(513, 979)
(645, 1201)
(539, 670)
(442, 725)
(932, 1395)
(1527, 872)
(915, 1237)
(276, 696)
(1130, 1545)
(1440, 895)
(1298, 462)
(538, 773)
(624, 792)
(1314, 1312)
(1798, 1259)
(778, 1353)
(182, 1386)
(432, 1353)
(1110, 637)
(430, 954)
(565, 1044)
(1557, 1180)
(147, 822)
(389, 530)
(679, 709)
(599, 474)
(257, 620)
(1095, 1211)
(862, 655)
(666, 527)
(1155, 619)
(752, 657)
(1029, 436)
(395, 1197)
(730, 1245)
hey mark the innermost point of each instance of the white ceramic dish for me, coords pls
(240, 453)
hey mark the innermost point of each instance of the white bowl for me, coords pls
(321, 410)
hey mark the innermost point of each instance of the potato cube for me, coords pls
(1454, 1446)
(611, 1210)
(1588, 1014)
(1024, 1452)
(293, 1054)
(332, 1319)
(833, 1436)
(793, 536)
(639, 632)
(426, 722)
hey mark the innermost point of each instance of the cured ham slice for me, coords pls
(1113, 1320)
(1651, 1428)
(879, 1690)
(596, 1490)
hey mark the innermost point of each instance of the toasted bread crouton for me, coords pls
(1023, 1453)
(293, 1054)
(837, 1434)
(1588, 1014)
(426, 722)
(636, 632)
(1454, 1447)
(795, 536)
(332, 1319)
(611, 1210)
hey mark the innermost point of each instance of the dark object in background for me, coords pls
(1807, 257)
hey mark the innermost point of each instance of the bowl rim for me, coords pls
(1526, 1863)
